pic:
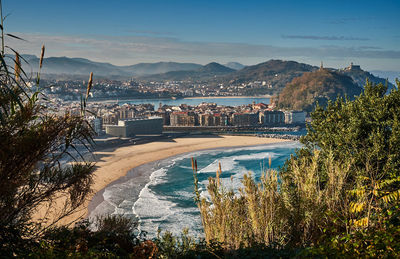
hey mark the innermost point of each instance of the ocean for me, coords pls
(160, 194)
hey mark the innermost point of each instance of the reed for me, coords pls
(40, 67)
(17, 68)
(90, 84)
(276, 211)
(41, 57)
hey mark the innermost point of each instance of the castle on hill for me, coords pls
(353, 67)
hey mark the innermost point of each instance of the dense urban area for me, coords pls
(105, 88)
(110, 117)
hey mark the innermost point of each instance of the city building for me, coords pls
(216, 119)
(110, 119)
(183, 119)
(206, 119)
(220, 119)
(166, 117)
(138, 126)
(271, 117)
(97, 124)
(245, 119)
(295, 117)
(259, 106)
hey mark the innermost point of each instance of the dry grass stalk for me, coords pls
(269, 161)
(90, 84)
(276, 211)
(17, 67)
(41, 57)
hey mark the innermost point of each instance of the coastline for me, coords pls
(112, 164)
(227, 97)
(142, 175)
(185, 98)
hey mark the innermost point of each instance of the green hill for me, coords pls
(360, 76)
(321, 85)
(276, 73)
(205, 73)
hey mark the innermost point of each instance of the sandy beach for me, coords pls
(112, 164)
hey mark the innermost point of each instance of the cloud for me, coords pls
(343, 20)
(312, 37)
(352, 20)
(126, 50)
(369, 47)
(148, 32)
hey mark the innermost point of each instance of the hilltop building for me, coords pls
(353, 67)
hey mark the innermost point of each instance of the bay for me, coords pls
(165, 200)
(228, 101)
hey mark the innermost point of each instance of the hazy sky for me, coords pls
(125, 32)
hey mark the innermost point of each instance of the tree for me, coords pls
(366, 129)
(32, 143)
(338, 195)
(365, 134)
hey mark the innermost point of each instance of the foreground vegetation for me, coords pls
(338, 196)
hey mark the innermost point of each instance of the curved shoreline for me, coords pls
(142, 176)
(114, 163)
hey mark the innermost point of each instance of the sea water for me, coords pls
(162, 197)
(196, 101)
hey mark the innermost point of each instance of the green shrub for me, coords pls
(338, 195)
(107, 237)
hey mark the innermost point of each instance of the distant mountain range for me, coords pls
(72, 66)
(273, 74)
(202, 73)
(81, 66)
(234, 65)
(159, 67)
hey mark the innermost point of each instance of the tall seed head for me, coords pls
(17, 66)
(89, 86)
(269, 161)
(218, 174)
(41, 57)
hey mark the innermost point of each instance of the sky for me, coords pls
(126, 32)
